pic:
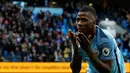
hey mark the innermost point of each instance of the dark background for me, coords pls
(113, 3)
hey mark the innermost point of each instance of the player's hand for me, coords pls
(84, 41)
(73, 39)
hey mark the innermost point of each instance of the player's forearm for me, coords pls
(76, 62)
(99, 65)
(75, 67)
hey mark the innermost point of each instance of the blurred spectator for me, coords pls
(108, 25)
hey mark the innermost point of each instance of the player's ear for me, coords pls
(94, 22)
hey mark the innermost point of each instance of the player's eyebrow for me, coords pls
(78, 18)
(83, 17)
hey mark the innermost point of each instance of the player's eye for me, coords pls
(84, 20)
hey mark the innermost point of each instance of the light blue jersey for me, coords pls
(105, 46)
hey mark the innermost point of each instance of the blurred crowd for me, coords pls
(42, 37)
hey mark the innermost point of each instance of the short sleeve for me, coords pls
(107, 51)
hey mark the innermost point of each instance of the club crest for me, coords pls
(105, 51)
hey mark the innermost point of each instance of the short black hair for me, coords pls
(88, 9)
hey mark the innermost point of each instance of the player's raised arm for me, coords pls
(75, 64)
(103, 66)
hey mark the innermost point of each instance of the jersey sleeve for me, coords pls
(107, 51)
